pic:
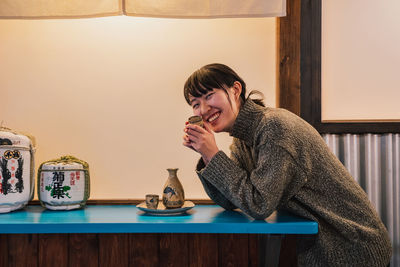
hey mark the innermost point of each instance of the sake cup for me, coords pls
(197, 120)
(152, 201)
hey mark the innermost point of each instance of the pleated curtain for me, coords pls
(59, 8)
(36, 9)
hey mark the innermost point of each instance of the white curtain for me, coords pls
(15, 9)
(59, 8)
(205, 8)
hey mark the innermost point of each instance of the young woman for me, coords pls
(280, 162)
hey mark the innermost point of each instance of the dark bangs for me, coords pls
(205, 80)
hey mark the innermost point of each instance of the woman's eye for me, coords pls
(209, 96)
(195, 106)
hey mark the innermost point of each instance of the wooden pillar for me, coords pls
(288, 58)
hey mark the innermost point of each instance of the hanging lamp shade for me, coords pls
(31, 9)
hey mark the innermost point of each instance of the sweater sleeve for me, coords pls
(212, 191)
(275, 178)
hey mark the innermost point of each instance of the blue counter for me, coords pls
(129, 219)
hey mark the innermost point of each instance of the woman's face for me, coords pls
(214, 107)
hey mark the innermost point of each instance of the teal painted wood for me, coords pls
(129, 219)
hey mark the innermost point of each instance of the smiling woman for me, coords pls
(109, 90)
(278, 161)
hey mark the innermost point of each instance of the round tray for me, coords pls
(162, 211)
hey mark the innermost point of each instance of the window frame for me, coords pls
(299, 71)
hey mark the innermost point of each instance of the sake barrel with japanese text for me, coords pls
(64, 183)
(16, 170)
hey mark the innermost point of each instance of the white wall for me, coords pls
(360, 60)
(109, 90)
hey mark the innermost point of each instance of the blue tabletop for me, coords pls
(129, 219)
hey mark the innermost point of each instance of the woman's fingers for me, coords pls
(187, 142)
(207, 128)
(193, 134)
(188, 139)
(195, 128)
(200, 139)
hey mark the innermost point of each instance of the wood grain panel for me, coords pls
(253, 250)
(23, 250)
(83, 250)
(53, 250)
(137, 250)
(288, 256)
(113, 250)
(3, 250)
(174, 250)
(203, 250)
(143, 250)
(233, 250)
(288, 58)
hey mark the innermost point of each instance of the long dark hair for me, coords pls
(213, 76)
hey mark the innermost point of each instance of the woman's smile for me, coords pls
(213, 117)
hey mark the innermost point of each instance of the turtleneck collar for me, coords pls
(247, 121)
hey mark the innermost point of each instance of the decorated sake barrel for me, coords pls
(64, 183)
(16, 170)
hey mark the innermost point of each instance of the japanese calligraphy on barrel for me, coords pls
(16, 170)
(64, 183)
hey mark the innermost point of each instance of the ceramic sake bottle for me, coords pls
(173, 194)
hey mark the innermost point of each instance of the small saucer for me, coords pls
(163, 211)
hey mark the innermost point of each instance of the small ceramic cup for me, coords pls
(196, 120)
(152, 201)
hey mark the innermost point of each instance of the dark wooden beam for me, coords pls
(288, 58)
(310, 63)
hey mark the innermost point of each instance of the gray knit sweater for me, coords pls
(280, 162)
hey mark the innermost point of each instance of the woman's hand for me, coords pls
(200, 140)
